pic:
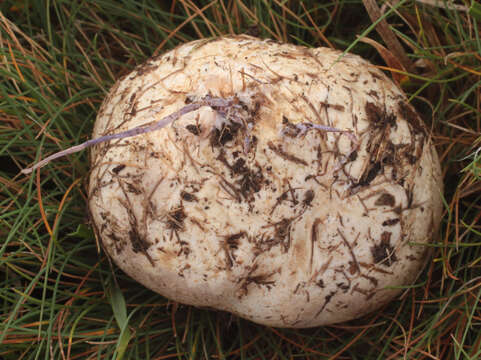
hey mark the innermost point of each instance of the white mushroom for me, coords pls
(297, 191)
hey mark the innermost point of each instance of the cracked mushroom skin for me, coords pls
(253, 208)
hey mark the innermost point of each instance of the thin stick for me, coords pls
(387, 34)
(218, 104)
(305, 127)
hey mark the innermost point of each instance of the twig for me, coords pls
(218, 104)
(387, 34)
(303, 128)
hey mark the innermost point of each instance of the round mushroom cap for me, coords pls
(257, 208)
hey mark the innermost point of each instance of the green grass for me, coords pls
(61, 298)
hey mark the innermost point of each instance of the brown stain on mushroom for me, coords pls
(383, 253)
(140, 244)
(385, 199)
(299, 255)
(175, 218)
(227, 133)
(408, 113)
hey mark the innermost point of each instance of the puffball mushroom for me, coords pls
(293, 187)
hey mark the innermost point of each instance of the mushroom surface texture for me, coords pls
(295, 189)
